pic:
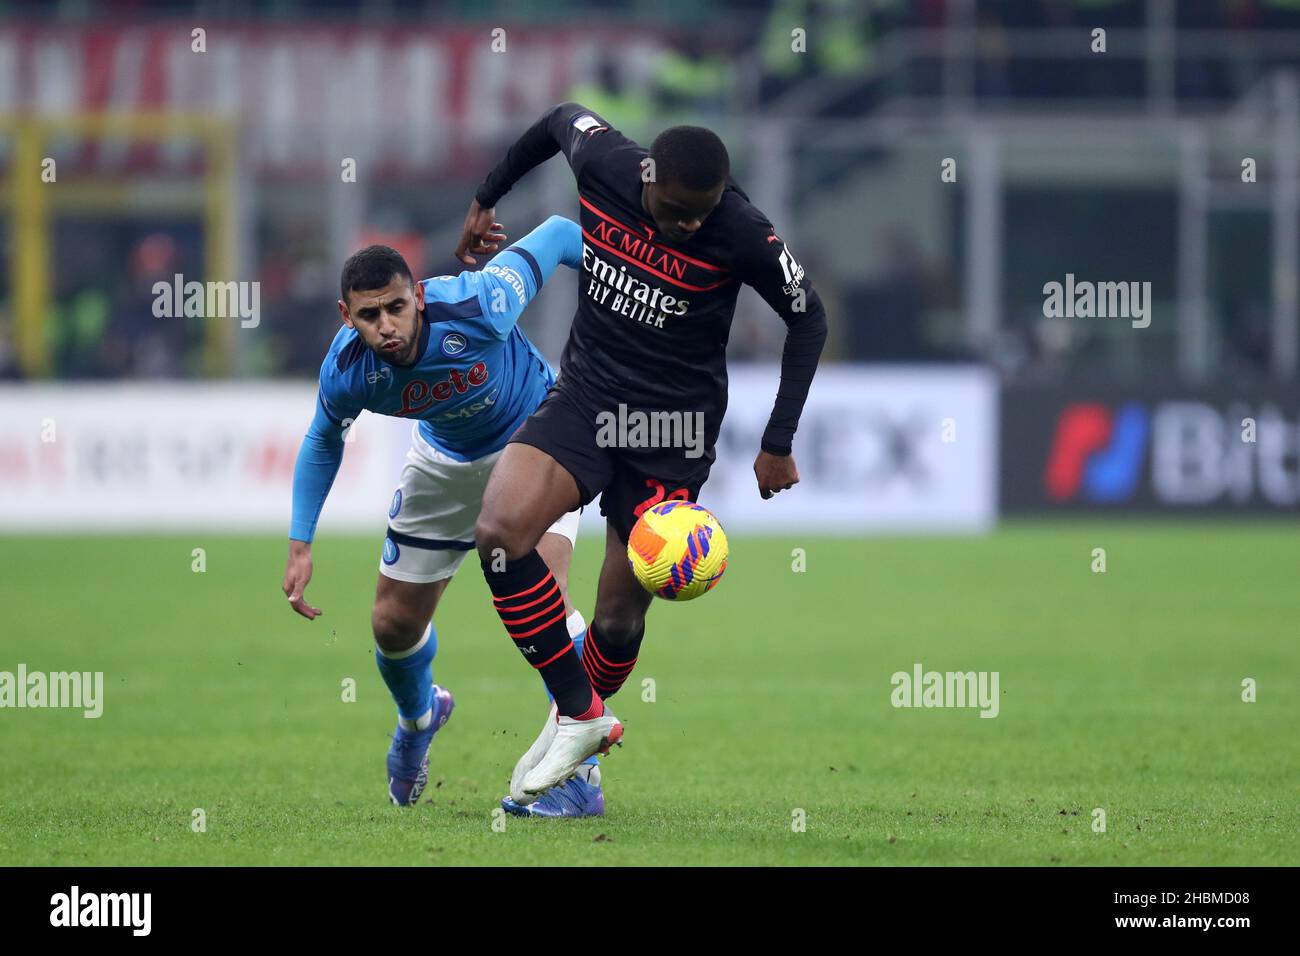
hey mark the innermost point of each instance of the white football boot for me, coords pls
(531, 758)
(572, 742)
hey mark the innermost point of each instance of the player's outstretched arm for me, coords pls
(566, 127)
(319, 458)
(510, 281)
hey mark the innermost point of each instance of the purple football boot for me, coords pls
(408, 757)
(573, 798)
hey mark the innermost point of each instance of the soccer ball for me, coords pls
(677, 550)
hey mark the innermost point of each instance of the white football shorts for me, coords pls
(431, 520)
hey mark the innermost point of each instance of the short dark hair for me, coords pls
(690, 155)
(373, 268)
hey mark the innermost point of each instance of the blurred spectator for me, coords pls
(694, 77)
(608, 95)
(8, 356)
(888, 316)
(138, 343)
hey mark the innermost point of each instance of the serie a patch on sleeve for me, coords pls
(587, 124)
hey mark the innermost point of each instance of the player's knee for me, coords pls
(500, 537)
(620, 624)
(395, 629)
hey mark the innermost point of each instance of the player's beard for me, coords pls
(407, 355)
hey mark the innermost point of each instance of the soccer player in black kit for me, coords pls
(668, 239)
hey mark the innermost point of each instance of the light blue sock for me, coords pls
(576, 623)
(409, 676)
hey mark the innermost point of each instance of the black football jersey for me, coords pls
(654, 315)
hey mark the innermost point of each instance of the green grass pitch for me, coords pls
(1120, 691)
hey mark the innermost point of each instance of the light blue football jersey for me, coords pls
(475, 378)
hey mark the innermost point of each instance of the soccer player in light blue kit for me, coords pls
(448, 353)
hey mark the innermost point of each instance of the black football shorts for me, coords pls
(629, 480)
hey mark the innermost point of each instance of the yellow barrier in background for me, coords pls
(33, 201)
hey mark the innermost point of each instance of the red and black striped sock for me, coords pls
(609, 665)
(531, 606)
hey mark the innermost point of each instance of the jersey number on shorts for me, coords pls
(680, 494)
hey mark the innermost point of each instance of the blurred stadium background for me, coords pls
(220, 155)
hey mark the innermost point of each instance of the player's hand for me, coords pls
(296, 576)
(775, 473)
(482, 234)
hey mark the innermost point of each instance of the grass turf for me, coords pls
(1119, 690)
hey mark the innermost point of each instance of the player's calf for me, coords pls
(613, 640)
(530, 604)
(405, 646)
(610, 651)
(405, 664)
(422, 709)
(527, 493)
